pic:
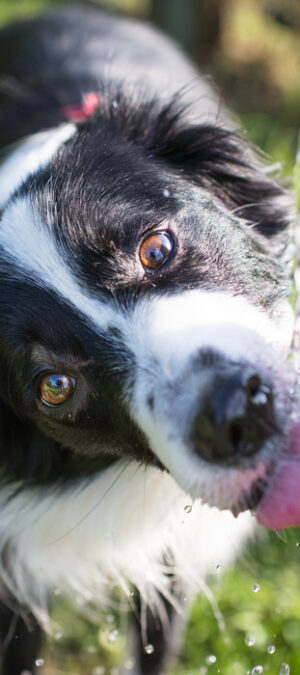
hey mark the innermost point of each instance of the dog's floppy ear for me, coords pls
(220, 160)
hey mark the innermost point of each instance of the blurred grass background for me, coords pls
(251, 48)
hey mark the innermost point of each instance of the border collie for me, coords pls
(142, 329)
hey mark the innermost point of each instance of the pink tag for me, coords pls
(78, 112)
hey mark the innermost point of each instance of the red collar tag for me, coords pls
(78, 112)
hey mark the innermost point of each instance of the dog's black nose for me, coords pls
(236, 418)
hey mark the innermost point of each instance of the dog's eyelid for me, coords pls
(47, 360)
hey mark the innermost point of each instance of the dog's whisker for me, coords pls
(93, 508)
(281, 534)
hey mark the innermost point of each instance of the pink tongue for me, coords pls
(280, 507)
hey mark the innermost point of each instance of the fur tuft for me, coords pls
(82, 539)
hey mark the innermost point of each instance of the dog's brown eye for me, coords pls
(55, 389)
(155, 249)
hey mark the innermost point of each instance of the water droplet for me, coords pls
(91, 649)
(271, 649)
(256, 588)
(115, 105)
(130, 663)
(250, 640)
(149, 649)
(58, 635)
(39, 662)
(188, 508)
(112, 635)
(285, 669)
(210, 659)
(166, 192)
(257, 670)
(219, 568)
(297, 544)
(70, 416)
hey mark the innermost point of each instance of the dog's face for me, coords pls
(138, 281)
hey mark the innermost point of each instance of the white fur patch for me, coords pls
(113, 528)
(29, 243)
(33, 153)
(176, 326)
(168, 336)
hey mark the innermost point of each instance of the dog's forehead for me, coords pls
(107, 184)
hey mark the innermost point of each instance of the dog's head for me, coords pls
(140, 278)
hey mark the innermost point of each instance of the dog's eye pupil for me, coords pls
(54, 388)
(155, 250)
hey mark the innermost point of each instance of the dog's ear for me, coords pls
(220, 160)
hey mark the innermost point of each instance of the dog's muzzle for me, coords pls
(211, 394)
(235, 415)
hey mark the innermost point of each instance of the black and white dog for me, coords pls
(142, 328)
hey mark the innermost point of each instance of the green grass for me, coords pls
(19, 8)
(271, 616)
(254, 621)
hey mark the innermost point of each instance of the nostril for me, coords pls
(258, 393)
(235, 435)
(243, 437)
(236, 417)
(252, 385)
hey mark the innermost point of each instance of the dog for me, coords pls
(146, 404)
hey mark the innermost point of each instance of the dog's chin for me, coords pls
(234, 488)
(250, 500)
(268, 486)
(240, 490)
(271, 487)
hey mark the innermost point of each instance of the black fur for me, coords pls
(143, 158)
